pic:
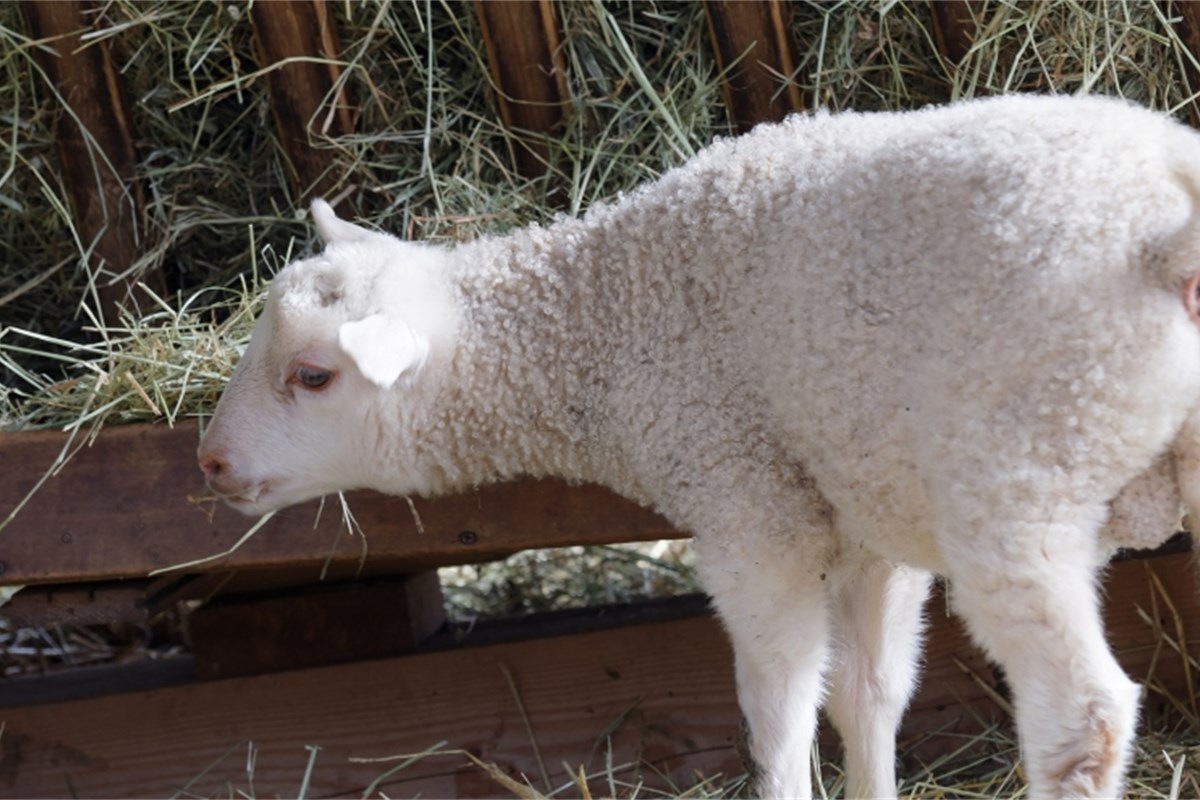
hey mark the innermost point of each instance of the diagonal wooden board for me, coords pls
(132, 502)
(753, 48)
(527, 64)
(664, 691)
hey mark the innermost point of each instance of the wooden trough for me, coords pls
(315, 647)
(360, 665)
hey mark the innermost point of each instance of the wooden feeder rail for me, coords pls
(149, 510)
(659, 690)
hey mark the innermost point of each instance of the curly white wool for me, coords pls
(846, 352)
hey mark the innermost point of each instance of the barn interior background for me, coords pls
(156, 159)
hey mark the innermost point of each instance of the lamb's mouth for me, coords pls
(248, 500)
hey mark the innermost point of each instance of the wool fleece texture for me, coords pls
(847, 352)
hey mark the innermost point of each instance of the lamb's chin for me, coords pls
(251, 507)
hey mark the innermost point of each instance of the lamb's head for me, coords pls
(345, 362)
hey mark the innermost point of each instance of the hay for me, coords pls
(430, 158)
(1161, 772)
(571, 577)
(433, 160)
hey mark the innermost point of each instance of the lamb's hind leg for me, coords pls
(768, 586)
(1026, 588)
(877, 623)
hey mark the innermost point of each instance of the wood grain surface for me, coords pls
(661, 692)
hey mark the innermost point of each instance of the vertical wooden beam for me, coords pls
(522, 41)
(95, 140)
(954, 27)
(1187, 27)
(753, 46)
(298, 38)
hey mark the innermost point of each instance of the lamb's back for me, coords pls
(999, 258)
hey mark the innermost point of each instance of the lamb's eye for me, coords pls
(311, 377)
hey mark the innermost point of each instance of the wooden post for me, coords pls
(954, 27)
(299, 39)
(1187, 26)
(753, 46)
(95, 142)
(522, 42)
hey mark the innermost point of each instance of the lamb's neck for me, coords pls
(517, 403)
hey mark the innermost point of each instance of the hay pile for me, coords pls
(430, 158)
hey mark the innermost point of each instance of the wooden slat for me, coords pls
(315, 627)
(522, 42)
(300, 38)
(95, 142)
(753, 47)
(675, 707)
(79, 604)
(954, 27)
(1187, 26)
(128, 504)
(665, 690)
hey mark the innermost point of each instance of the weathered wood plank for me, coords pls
(529, 72)
(665, 689)
(675, 708)
(1187, 27)
(79, 604)
(316, 627)
(299, 39)
(131, 503)
(954, 27)
(753, 47)
(95, 142)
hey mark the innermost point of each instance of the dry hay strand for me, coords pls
(1162, 771)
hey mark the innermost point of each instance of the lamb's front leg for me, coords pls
(768, 586)
(877, 621)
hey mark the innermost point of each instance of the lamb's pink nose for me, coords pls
(212, 467)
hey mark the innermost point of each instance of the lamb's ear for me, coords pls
(331, 228)
(382, 348)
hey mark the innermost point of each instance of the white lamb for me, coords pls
(846, 352)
